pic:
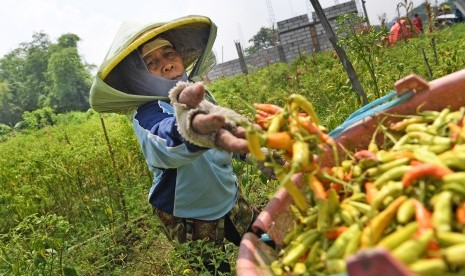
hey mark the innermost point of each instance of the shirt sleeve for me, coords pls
(162, 145)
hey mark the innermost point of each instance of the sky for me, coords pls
(96, 22)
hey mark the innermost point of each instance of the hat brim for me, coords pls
(189, 36)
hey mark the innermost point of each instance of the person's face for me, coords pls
(165, 62)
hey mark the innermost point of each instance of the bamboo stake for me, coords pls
(118, 178)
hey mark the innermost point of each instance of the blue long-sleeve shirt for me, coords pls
(189, 181)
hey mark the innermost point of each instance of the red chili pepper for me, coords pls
(422, 216)
(332, 235)
(365, 154)
(424, 170)
(415, 162)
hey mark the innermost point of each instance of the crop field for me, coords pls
(74, 194)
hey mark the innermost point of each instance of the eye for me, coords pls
(151, 63)
(170, 54)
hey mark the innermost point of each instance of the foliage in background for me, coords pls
(43, 74)
(65, 201)
(265, 38)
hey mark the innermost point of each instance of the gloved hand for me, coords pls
(205, 124)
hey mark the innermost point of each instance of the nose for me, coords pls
(168, 67)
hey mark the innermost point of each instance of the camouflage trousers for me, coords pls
(232, 226)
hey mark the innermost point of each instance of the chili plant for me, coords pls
(363, 43)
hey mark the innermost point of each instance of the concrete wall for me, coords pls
(297, 35)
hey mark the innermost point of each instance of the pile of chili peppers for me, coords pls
(406, 195)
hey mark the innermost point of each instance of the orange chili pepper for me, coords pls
(268, 108)
(278, 140)
(422, 216)
(263, 114)
(460, 213)
(312, 128)
(373, 232)
(332, 235)
(317, 187)
(370, 191)
(424, 170)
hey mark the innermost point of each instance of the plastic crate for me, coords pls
(255, 256)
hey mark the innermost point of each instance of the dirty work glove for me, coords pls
(205, 124)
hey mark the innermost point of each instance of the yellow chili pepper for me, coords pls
(398, 237)
(276, 123)
(253, 143)
(411, 250)
(429, 267)
(442, 215)
(306, 106)
(373, 232)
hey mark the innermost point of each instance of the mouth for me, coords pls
(177, 77)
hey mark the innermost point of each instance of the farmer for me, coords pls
(418, 22)
(186, 143)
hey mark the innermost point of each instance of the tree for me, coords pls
(68, 82)
(10, 113)
(264, 39)
(42, 74)
(23, 72)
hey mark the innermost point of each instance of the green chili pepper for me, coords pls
(455, 187)
(338, 248)
(429, 266)
(455, 254)
(398, 237)
(276, 268)
(395, 173)
(453, 159)
(387, 166)
(333, 201)
(354, 243)
(450, 238)
(312, 257)
(301, 245)
(356, 171)
(310, 220)
(347, 217)
(457, 177)
(323, 223)
(429, 139)
(416, 127)
(392, 188)
(336, 266)
(439, 148)
(299, 268)
(360, 206)
(442, 215)
(411, 250)
(347, 165)
(440, 119)
(293, 233)
(426, 156)
(356, 197)
(402, 125)
(406, 212)
(354, 212)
